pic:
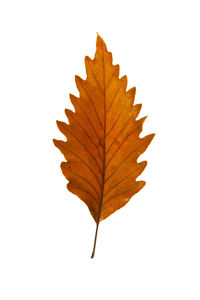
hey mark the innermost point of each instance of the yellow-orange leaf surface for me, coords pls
(103, 142)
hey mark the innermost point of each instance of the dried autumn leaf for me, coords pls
(103, 142)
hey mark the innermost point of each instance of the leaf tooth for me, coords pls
(88, 66)
(131, 94)
(87, 58)
(56, 142)
(88, 61)
(78, 81)
(124, 81)
(74, 100)
(140, 123)
(143, 165)
(70, 115)
(144, 143)
(140, 184)
(63, 127)
(136, 110)
(62, 146)
(116, 70)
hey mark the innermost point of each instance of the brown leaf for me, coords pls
(103, 142)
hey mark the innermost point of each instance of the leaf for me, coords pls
(103, 142)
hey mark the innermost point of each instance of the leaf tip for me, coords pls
(100, 42)
(98, 36)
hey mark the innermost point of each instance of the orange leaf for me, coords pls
(103, 142)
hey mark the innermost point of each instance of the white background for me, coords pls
(150, 249)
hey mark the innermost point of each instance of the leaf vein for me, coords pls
(86, 149)
(122, 162)
(116, 196)
(123, 128)
(121, 146)
(114, 186)
(93, 106)
(98, 84)
(116, 120)
(88, 120)
(84, 179)
(114, 97)
(87, 136)
(87, 192)
(83, 163)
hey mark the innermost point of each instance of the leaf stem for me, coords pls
(100, 208)
(95, 240)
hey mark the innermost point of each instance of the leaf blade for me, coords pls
(103, 142)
